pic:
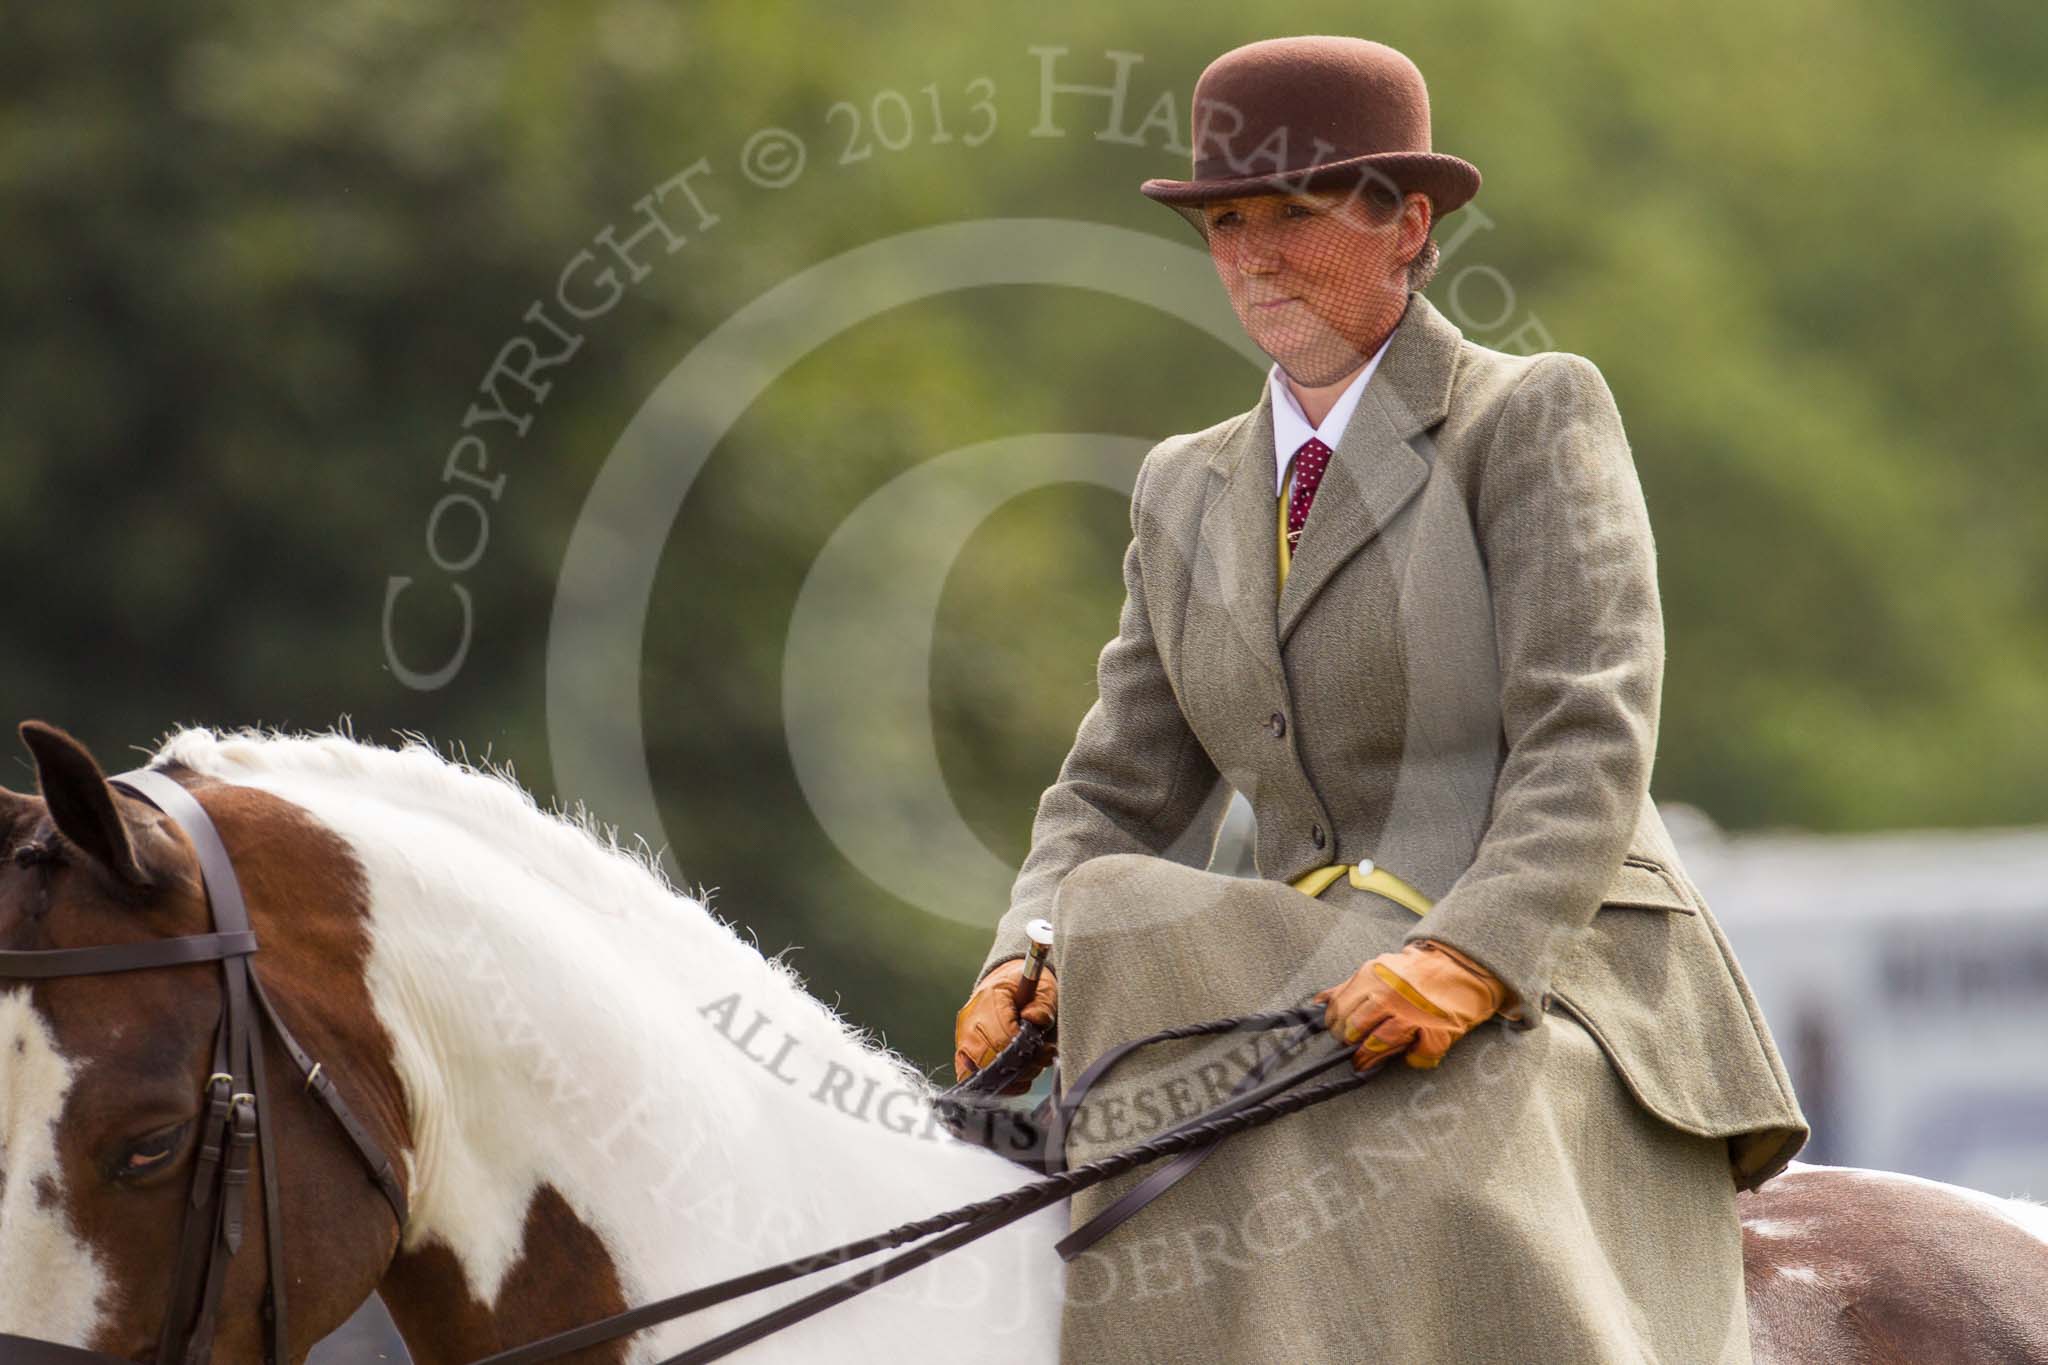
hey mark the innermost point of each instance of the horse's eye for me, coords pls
(152, 1153)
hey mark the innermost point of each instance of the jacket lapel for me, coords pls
(1238, 530)
(1371, 476)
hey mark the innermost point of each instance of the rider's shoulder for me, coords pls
(1486, 381)
(1177, 467)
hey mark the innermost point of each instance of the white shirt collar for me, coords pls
(1291, 426)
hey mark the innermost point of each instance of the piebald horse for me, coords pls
(599, 1095)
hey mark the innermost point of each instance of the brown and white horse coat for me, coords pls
(546, 1036)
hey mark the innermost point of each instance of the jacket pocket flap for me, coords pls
(1642, 883)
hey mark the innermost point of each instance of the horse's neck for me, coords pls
(634, 1078)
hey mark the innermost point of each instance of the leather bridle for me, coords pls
(236, 1114)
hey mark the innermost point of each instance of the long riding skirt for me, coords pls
(1513, 1204)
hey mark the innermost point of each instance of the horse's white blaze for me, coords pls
(1804, 1274)
(51, 1284)
(562, 1017)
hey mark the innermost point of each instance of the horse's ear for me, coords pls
(81, 803)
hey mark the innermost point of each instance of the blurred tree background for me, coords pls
(259, 258)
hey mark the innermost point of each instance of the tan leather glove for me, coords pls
(1428, 992)
(990, 1019)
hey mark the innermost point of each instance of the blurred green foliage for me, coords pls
(259, 257)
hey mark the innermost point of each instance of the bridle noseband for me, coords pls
(236, 1118)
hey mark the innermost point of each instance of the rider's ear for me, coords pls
(82, 804)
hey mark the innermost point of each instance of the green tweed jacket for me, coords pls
(1461, 681)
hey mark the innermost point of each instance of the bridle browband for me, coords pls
(236, 1116)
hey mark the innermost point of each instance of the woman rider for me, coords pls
(1407, 606)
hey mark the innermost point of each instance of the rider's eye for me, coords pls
(146, 1155)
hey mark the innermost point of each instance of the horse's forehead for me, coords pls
(35, 1079)
(35, 1075)
(48, 1088)
(55, 1281)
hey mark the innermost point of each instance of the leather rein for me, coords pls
(236, 1119)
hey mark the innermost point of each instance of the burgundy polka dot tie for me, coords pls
(1309, 463)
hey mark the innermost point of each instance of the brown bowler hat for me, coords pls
(1290, 114)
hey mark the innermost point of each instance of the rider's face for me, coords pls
(1316, 278)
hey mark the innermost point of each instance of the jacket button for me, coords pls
(1276, 725)
(1315, 835)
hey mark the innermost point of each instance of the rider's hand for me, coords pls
(990, 1019)
(1428, 992)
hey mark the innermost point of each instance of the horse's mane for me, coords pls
(569, 847)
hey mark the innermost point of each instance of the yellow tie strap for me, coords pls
(1286, 558)
(1365, 876)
